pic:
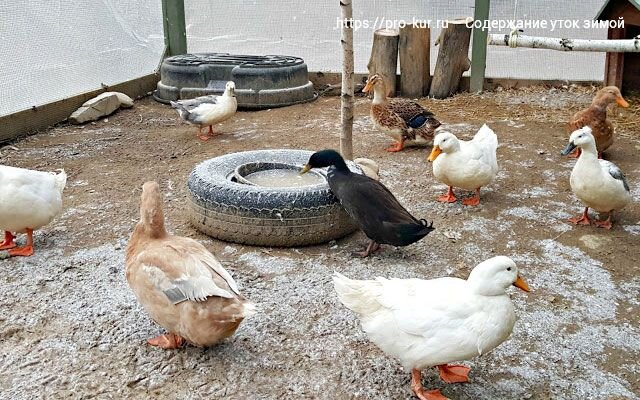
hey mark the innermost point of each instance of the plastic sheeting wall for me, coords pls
(309, 30)
(56, 49)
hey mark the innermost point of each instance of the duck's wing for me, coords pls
(186, 271)
(376, 210)
(615, 172)
(427, 307)
(367, 200)
(192, 104)
(413, 114)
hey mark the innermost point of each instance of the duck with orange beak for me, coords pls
(468, 165)
(595, 116)
(402, 119)
(431, 323)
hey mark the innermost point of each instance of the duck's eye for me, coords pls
(509, 269)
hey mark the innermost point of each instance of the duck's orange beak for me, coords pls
(521, 284)
(435, 152)
(622, 102)
(367, 88)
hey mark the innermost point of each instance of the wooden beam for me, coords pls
(479, 46)
(614, 62)
(38, 118)
(175, 31)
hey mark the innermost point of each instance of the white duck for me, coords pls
(368, 167)
(427, 323)
(208, 110)
(465, 164)
(29, 200)
(599, 184)
(182, 286)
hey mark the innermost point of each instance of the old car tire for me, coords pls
(255, 215)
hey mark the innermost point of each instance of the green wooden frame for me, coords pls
(175, 32)
(479, 47)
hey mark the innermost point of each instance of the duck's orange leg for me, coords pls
(201, 136)
(416, 386)
(26, 250)
(212, 133)
(576, 153)
(583, 219)
(473, 201)
(454, 373)
(167, 341)
(449, 197)
(8, 241)
(397, 146)
(606, 224)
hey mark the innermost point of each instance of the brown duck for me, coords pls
(596, 117)
(402, 119)
(182, 286)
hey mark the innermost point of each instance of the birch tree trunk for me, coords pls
(346, 142)
(534, 42)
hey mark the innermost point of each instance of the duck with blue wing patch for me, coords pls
(402, 119)
(370, 204)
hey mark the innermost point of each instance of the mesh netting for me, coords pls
(55, 49)
(309, 30)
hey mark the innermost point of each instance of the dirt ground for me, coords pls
(71, 328)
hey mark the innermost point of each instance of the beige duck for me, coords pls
(182, 286)
(402, 119)
(595, 116)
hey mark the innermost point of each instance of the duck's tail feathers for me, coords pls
(249, 309)
(60, 180)
(358, 296)
(487, 137)
(408, 233)
(180, 108)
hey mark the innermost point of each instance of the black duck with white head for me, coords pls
(371, 205)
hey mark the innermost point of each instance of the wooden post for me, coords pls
(384, 57)
(479, 47)
(175, 33)
(415, 74)
(453, 58)
(614, 62)
(346, 143)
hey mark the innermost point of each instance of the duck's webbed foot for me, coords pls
(454, 373)
(167, 341)
(371, 248)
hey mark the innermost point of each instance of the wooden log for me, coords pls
(453, 58)
(384, 57)
(415, 74)
(346, 97)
